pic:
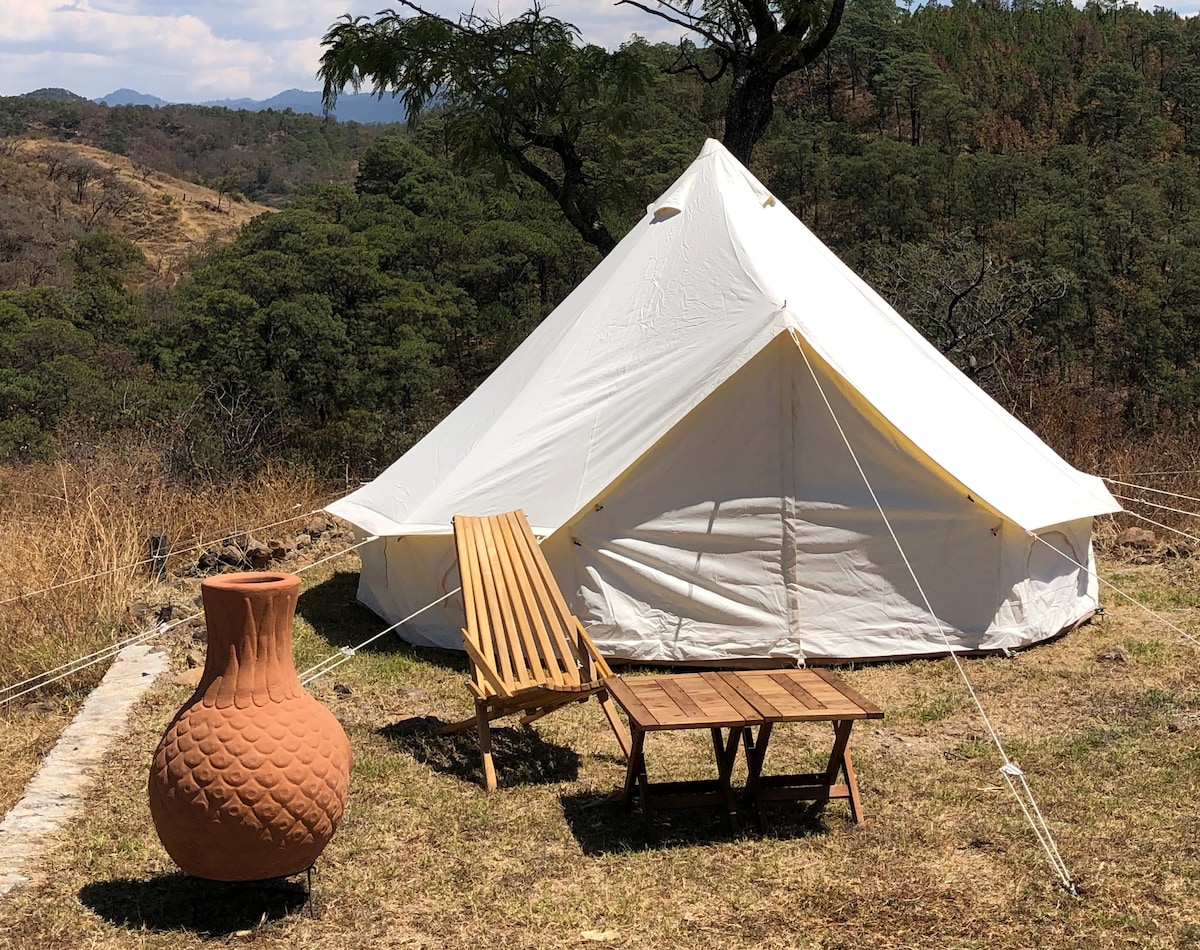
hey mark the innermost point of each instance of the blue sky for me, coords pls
(228, 48)
(220, 48)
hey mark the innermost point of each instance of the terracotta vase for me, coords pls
(249, 781)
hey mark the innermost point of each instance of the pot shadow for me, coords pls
(602, 825)
(521, 755)
(208, 909)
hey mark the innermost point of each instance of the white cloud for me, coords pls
(216, 49)
(232, 48)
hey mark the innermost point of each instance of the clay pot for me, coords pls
(249, 781)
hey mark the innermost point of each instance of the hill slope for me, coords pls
(52, 191)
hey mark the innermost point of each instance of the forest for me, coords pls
(1019, 180)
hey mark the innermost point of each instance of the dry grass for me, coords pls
(68, 520)
(168, 218)
(1105, 720)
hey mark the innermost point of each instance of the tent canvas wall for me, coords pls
(678, 431)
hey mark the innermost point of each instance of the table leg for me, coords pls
(852, 787)
(725, 751)
(839, 760)
(756, 753)
(635, 769)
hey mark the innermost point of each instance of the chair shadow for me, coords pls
(521, 755)
(602, 825)
(208, 909)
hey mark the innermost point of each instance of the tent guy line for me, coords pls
(1009, 769)
(1159, 524)
(1157, 491)
(107, 654)
(1152, 504)
(1129, 597)
(91, 659)
(346, 654)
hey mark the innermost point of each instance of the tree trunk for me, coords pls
(751, 106)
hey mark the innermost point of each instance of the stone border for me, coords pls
(56, 793)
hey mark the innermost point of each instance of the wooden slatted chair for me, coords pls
(529, 654)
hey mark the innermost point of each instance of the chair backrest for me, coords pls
(519, 632)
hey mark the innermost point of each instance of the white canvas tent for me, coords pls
(675, 431)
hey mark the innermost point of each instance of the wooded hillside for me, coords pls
(1020, 181)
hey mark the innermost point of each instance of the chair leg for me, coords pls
(614, 720)
(485, 745)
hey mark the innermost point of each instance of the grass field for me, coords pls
(1106, 721)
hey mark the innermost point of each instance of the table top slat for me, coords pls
(731, 696)
(746, 688)
(832, 697)
(796, 691)
(850, 693)
(785, 702)
(685, 700)
(752, 697)
(623, 693)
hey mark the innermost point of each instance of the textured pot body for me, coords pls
(249, 781)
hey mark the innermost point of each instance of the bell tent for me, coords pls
(709, 432)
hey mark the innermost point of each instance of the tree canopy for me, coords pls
(522, 94)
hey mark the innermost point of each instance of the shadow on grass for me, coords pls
(602, 825)
(333, 610)
(522, 756)
(209, 909)
(335, 614)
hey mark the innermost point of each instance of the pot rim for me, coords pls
(252, 581)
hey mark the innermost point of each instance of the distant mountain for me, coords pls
(350, 108)
(363, 107)
(54, 95)
(131, 97)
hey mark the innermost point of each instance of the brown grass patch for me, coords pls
(64, 521)
(1104, 720)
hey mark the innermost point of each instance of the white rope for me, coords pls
(1008, 768)
(1129, 597)
(83, 662)
(162, 557)
(1182, 471)
(346, 654)
(99, 657)
(1154, 504)
(1159, 524)
(1157, 491)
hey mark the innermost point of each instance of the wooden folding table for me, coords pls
(742, 702)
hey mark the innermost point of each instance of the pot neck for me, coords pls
(249, 661)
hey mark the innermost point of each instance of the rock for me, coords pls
(259, 555)
(303, 540)
(1115, 655)
(169, 612)
(1184, 723)
(278, 550)
(189, 677)
(1141, 539)
(316, 526)
(230, 555)
(139, 616)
